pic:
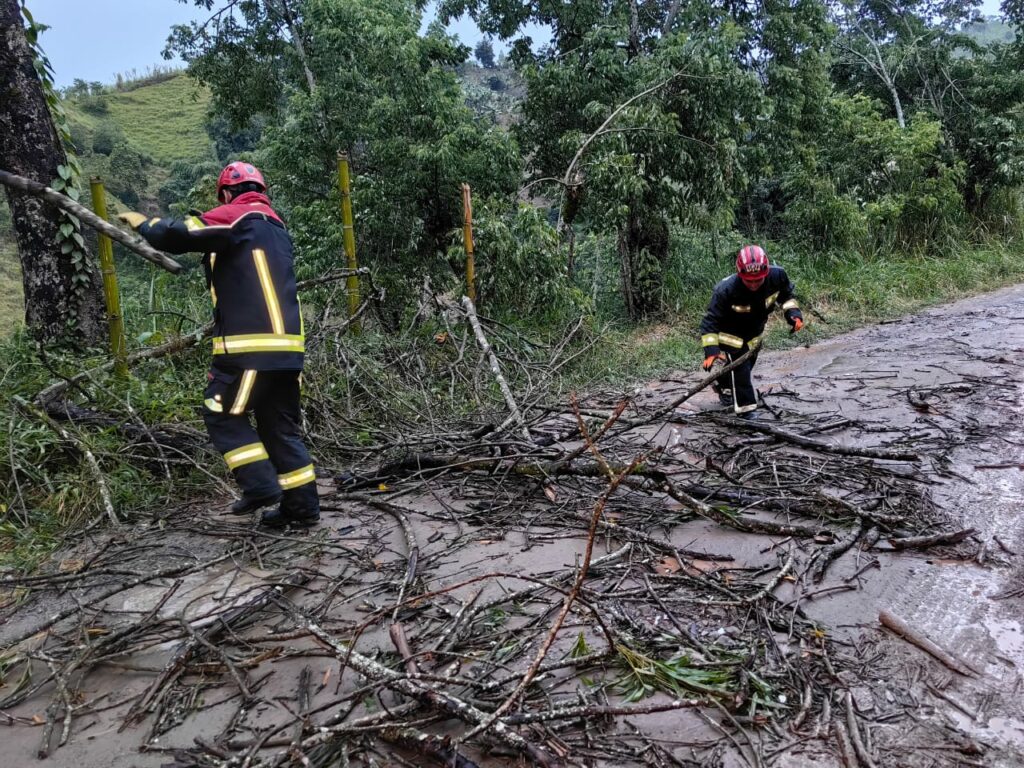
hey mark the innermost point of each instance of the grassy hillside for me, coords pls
(164, 120)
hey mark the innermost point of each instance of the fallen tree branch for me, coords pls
(228, 620)
(485, 345)
(90, 459)
(86, 216)
(901, 628)
(815, 445)
(921, 542)
(614, 480)
(438, 699)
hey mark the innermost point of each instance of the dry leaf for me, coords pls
(441, 338)
(382, 487)
(667, 566)
(72, 565)
(549, 491)
(38, 720)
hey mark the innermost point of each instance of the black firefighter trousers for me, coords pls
(738, 383)
(271, 458)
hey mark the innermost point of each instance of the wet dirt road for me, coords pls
(945, 384)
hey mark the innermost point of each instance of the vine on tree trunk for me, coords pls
(68, 181)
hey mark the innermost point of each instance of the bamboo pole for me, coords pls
(118, 346)
(86, 216)
(467, 239)
(348, 230)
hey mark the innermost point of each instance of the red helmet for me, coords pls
(239, 173)
(752, 266)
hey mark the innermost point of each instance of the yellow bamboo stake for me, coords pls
(348, 231)
(118, 346)
(467, 240)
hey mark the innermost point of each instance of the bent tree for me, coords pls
(62, 295)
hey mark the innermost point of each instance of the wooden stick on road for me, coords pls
(86, 216)
(900, 627)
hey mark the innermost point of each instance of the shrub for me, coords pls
(107, 136)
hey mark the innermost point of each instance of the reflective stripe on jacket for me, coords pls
(736, 315)
(251, 276)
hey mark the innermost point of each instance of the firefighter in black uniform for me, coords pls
(736, 318)
(258, 343)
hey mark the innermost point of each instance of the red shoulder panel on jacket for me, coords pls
(226, 215)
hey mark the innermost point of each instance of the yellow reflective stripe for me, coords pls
(244, 390)
(709, 340)
(269, 294)
(730, 340)
(297, 478)
(754, 342)
(771, 299)
(258, 342)
(213, 291)
(192, 223)
(213, 405)
(740, 307)
(791, 304)
(247, 454)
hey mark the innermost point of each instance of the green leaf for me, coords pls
(64, 172)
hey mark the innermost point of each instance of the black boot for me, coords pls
(725, 398)
(281, 518)
(248, 503)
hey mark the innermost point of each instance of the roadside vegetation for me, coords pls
(615, 171)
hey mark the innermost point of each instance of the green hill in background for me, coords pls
(164, 119)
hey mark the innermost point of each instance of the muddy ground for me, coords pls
(730, 615)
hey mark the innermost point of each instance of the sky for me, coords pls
(95, 40)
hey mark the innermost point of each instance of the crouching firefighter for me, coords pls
(735, 320)
(258, 343)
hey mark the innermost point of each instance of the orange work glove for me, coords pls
(710, 361)
(797, 325)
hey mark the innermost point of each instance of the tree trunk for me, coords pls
(643, 245)
(30, 147)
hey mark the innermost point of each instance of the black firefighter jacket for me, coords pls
(736, 315)
(249, 270)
